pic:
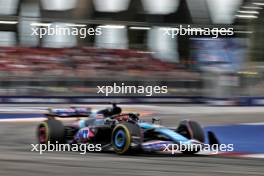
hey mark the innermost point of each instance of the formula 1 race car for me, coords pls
(114, 130)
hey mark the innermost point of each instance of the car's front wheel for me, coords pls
(191, 130)
(123, 135)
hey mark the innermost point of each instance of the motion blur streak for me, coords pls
(131, 47)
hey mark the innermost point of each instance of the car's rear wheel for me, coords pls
(123, 135)
(51, 130)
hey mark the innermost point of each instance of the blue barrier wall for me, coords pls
(245, 138)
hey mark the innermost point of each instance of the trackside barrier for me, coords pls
(235, 101)
(98, 100)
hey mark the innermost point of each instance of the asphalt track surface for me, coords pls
(16, 159)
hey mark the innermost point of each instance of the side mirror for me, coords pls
(154, 120)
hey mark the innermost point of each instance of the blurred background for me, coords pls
(131, 48)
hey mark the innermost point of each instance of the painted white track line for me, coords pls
(261, 155)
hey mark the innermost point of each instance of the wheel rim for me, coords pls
(42, 134)
(120, 139)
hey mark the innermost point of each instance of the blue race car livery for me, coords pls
(121, 132)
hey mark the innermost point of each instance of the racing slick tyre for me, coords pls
(123, 136)
(51, 130)
(191, 130)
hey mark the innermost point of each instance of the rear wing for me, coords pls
(68, 112)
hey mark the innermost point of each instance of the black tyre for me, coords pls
(122, 137)
(191, 130)
(51, 130)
